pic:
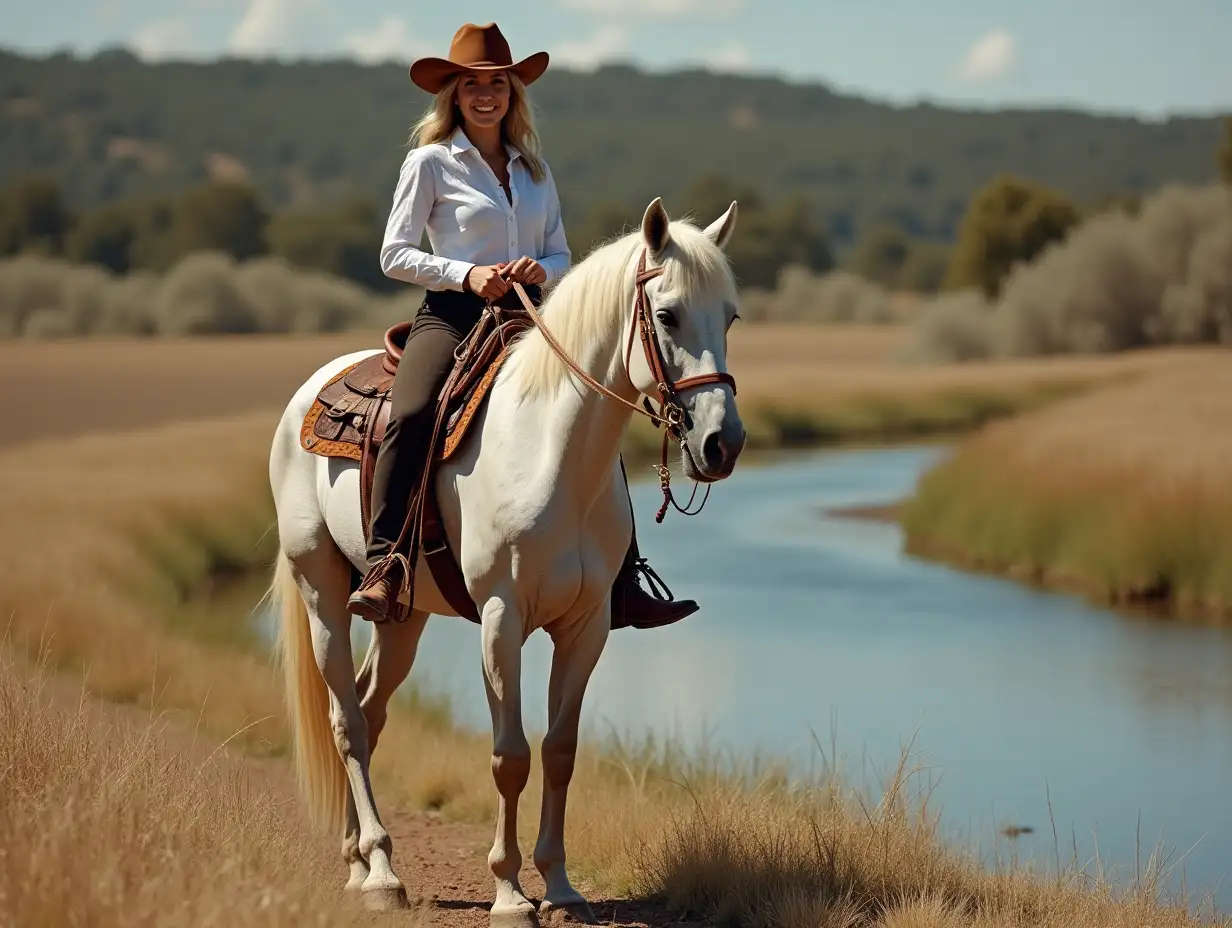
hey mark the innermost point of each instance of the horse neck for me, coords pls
(584, 429)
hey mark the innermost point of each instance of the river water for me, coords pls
(818, 630)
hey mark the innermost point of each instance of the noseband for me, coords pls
(671, 415)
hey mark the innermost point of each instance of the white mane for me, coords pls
(591, 304)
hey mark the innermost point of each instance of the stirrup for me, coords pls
(658, 588)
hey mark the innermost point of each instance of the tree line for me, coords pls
(1009, 222)
(153, 233)
(309, 134)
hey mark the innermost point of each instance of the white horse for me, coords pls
(535, 508)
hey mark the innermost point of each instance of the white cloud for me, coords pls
(388, 40)
(731, 57)
(657, 7)
(990, 56)
(163, 39)
(269, 27)
(587, 54)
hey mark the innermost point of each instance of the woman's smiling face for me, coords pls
(483, 97)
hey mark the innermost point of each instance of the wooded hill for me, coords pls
(110, 127)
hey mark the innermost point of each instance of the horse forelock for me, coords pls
(589, 306)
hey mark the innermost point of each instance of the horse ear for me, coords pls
(654, 227)
(720, 231)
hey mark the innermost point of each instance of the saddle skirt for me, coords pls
(349, 415)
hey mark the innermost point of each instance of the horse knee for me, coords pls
(511, 768)
(559, 755)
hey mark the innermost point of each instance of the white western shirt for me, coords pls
(452, 192)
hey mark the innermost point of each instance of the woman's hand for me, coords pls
(485, 280)
(525, 271)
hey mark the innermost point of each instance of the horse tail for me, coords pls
(318, 767)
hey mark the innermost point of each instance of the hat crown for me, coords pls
(480, 45)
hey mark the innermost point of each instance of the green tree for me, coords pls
(1009, 221)
(345, 241)
(925, 268)
(1223, 158)
(881, 253)
(766, 238)
(221, 216)
(33, 217)
(105, 236)
(601, 222)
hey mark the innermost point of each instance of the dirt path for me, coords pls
(444, 866)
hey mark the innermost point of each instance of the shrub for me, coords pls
(802, 296)
(200, 296)
(1117, 282)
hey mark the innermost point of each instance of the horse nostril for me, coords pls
(712, 450)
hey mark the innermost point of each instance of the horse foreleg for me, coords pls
(502, 633)
(575, 652)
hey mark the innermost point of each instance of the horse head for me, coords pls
(691, 303)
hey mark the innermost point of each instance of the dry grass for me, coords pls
(106, 824)
(98, 524)
(1124, 494)
(107, 539)
(798, 383)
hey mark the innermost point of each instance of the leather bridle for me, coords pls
(671, 414)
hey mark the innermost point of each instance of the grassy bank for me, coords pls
(1124, 494)
(107, 537)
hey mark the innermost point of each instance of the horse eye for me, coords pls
(667, 318)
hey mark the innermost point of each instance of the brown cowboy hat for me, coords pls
(476, 48)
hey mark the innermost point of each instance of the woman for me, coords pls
(476, 183)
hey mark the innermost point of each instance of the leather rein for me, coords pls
(672, 414)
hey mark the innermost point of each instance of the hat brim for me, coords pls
(431, 74)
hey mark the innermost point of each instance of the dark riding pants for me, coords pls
(444, 319)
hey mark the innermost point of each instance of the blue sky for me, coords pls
(1150, 57)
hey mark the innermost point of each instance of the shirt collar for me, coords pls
(460, 143)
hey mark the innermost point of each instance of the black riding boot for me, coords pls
(634, 606)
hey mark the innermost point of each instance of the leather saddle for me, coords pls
(350, 413)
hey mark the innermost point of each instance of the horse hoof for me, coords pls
(385, 900)
(570, 913)
(521, 915)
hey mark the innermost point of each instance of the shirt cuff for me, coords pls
(455, 273)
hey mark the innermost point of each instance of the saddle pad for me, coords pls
(332, 438)
(341, 414)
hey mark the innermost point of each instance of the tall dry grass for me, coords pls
(110, 819)
(105, 540)
(1124, 494)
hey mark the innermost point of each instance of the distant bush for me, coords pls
(1117, 282)
(802, 296)
(954, 327)
(207, 292)
(889, 256)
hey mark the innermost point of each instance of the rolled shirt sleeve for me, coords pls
(401, 256)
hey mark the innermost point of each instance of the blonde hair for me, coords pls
(442, 118)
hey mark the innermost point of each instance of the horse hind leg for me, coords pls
(328, 628)
(388, 660)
